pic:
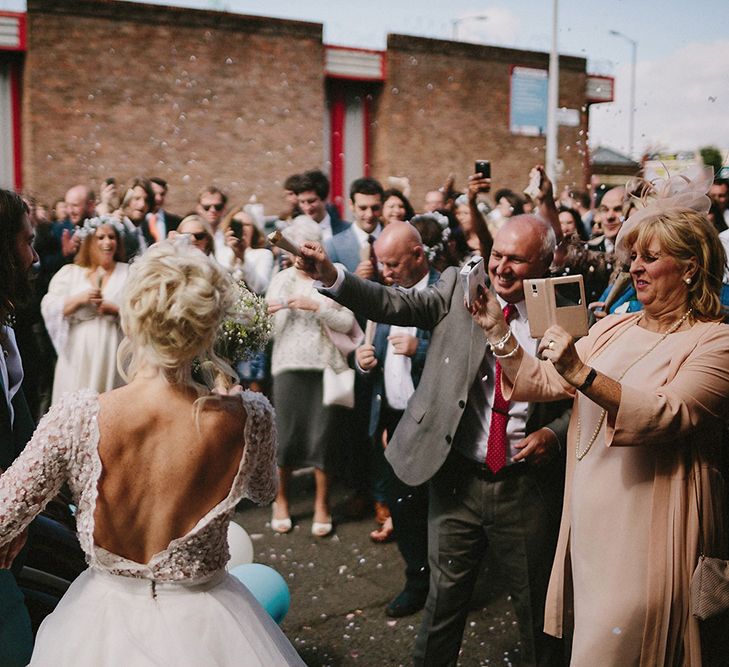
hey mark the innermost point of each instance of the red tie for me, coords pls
(496, 451)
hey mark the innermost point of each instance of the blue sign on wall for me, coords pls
(528, 103)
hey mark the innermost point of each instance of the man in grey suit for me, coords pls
(494, 467)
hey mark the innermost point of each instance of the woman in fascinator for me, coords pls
(643, 487)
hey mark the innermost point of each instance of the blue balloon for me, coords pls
(267, 586)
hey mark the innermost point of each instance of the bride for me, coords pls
(156, 468)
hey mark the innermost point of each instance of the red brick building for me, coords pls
(106, 88)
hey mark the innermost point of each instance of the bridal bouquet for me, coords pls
(246, 329)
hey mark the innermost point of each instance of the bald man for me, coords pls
(494, 468)
(57, 244)
(393, 365)
(434, 201)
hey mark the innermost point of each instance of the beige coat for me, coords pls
(682, 419)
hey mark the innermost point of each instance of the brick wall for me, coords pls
(198, 97)
(121, 89)
(445, 104)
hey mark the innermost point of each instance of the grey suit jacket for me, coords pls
(344, 248)
(426, 430)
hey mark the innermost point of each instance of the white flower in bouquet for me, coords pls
(246, 329)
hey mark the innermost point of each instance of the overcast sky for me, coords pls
(683, 50)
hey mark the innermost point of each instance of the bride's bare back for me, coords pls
(161, 473)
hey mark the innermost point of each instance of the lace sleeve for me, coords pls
(40, 470)
(259, 479)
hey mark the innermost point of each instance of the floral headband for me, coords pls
(92, 224)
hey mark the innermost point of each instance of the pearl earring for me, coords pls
(687, 281)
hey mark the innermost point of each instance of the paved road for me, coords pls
(340, 585)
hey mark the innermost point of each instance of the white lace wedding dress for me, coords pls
(180, 608)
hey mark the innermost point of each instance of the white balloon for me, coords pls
(240, 545)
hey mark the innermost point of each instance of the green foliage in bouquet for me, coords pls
(246, 328)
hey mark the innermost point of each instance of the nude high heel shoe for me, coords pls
(280, 525)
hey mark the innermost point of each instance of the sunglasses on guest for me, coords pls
(217, 207)
(199, 236)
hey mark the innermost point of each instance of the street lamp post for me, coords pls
(473, 17)
(552, 102)
(634, 53)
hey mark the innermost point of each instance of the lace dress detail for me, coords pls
(65, 448)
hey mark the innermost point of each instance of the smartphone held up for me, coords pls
(483, 167)
(559, 301)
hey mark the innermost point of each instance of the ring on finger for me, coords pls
(550, 344)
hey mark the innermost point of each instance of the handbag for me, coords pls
(338, 387)
(709, 588)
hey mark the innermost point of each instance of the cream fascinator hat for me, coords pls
(686, 191)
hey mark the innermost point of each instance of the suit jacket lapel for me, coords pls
(476, 351)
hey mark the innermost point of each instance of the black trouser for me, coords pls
(409, 510)
(470, 511)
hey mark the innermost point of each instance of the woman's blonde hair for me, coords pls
(685, 234)
(209, 233)
(174, 301)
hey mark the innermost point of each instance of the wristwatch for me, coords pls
(588, 381)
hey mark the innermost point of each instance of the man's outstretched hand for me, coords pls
(315, 263)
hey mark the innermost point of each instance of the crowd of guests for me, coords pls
(416, 378)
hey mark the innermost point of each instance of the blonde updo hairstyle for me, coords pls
(174, 301)
(685, 234)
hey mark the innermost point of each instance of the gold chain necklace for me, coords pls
(596, 432)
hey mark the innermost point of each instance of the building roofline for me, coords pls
(175, 16)
(398, 42)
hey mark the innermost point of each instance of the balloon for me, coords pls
(267, 586)
(240, 546)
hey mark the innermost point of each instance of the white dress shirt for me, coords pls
(326, 228)
(11, 367)
(473, 431)
(397, 370)
(364, 237)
